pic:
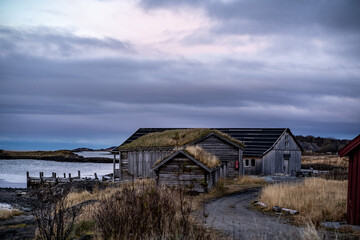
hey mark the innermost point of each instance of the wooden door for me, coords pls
(286, 166)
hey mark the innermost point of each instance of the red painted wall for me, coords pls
(353, 208)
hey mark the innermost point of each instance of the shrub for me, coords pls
(54, 218)
(147, 212)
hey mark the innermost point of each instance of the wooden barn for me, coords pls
(136, 158)
(267, 150)
(353, 207)
(191, 167)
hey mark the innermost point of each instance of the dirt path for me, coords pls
(233, 216)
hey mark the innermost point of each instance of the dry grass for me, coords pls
(203, 156)
(9, 213)
(316, 199)
(331, 160)
(225, 187)
(174, 138)
(249, 180)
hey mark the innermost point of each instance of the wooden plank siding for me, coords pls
(226, 153)
(273, 160)
(181, 171)
(138, 164)
(352, 150)
(253, 170)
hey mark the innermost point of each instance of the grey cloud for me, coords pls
(59, 43)
(276, 15)
(81, 98)
(292, 24)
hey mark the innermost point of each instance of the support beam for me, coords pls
(114, 167)
(120, 177)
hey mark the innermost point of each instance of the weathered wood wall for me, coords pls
(273, 161)
(138, 164)
(253, 170)
(184, 172)
(226, 153)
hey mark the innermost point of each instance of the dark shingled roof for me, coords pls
(257, 140)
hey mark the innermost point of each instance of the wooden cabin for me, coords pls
(183, 168)
(137, 158)
(267, 150)
(352, 150)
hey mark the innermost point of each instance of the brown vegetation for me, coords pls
(174, 138)
(316, 199)
(329, 160)
(203, 156)
(54, 218)
(147, 212)
(9, 213)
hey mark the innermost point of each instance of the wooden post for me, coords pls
(114, 168)
(240, 163)
(95, 176)
(27, 179)
(64, 175)
(79, 174)
(41, 178)
(120, 177)
(70, 177)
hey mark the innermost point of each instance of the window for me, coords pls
(253, 162)
(247, 162)
(286, 140)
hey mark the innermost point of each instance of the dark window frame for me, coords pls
(247, 163)
(253, 162)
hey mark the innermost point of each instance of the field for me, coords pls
(324, 161)
(316, 199)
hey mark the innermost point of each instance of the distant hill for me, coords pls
(84, 149)
(321, 145)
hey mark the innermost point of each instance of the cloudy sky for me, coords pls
(90, 72)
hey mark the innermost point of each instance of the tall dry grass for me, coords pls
(316, 199)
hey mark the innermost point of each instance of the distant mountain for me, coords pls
(321, 145)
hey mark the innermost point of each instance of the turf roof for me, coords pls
(209, 160)
(175, 138)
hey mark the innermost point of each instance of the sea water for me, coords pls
(13, 172)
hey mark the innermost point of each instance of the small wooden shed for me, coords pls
(186, 168)
(353, 208)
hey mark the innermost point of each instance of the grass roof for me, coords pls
(206, 158)
(175, 138)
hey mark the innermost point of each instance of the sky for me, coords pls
(88, 73)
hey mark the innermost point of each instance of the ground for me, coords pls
(232, 215)
(18, 227)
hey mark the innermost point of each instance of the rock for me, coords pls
(277, 209)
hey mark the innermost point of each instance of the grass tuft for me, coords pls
(9, 213)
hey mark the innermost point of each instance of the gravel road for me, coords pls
(233, 215)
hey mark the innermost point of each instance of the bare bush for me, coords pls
(54, 218)
(147, 212)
